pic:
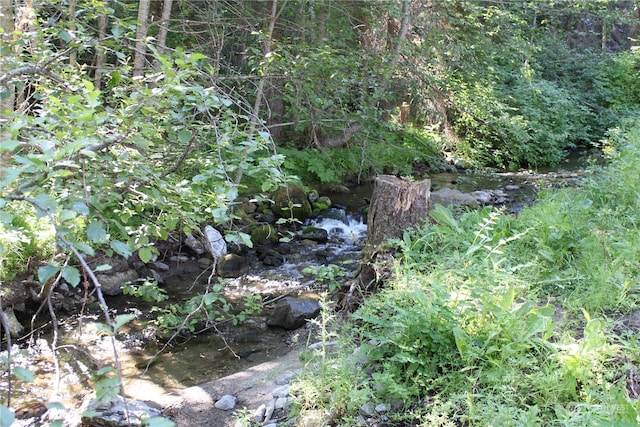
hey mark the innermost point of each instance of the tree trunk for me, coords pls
(139, 59)
(396, 205)
(100, 49)
(164, 25)
(6, 23)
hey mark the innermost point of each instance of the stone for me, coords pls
(264, 234)
(293, 313)
(291, 202)
(194, 244)
(216, 245)
(226, 402)
(283, 402)
(381, 407)
(450, 196)
(161, 266)
(15, 327)
(232, 265)
(112, 282)
(315, 234)
(367, 410)
(285, 378)
(112, 413)
(282, 391)
(258, 414)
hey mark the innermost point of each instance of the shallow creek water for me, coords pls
(152, 368)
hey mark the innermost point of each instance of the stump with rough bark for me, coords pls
(396, 205)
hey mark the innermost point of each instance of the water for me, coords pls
(149, 367)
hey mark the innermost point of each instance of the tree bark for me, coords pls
(396, 205)
(164, 25)
(139, 59)
(100, 50)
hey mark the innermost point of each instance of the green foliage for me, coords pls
(491, 318)
(332, 275)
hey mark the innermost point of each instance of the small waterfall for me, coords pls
(342, 227)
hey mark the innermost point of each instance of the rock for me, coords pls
(15, 327)
(160, 266)
(315, 234)
(194, 244)
(272, 258)
(226, 402)
(232, 265)
(264, 234)
(381, 407)
(291, 202)
(449, 196)
(258, 414)
(282, 391)
(204, 262)
(292, 312)
(367, 410)
(112, 413)
(112, 282)
(283, 402)
(216, 244)
(285, 378)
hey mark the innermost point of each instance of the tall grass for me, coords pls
(496, 320)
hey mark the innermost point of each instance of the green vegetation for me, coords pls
(493, 319)
(119, 131)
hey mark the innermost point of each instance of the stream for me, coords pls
(151, 367)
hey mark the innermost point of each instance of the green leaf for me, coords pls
(23, 374)
(45, 203)
(197, 56)
(6, 416)
(210, 298)
(8, 176)
(121, 320)
(103, 267)
(184, 136)
(84, 248)
(145, 254)
(46, 272)
(71, 275)
(5, 217)
(96, 231)
(121, 248)
(81, 208)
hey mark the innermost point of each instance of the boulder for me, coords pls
(264, 234)
(232, 265)
(291, 201)
(215, 243)
(15, 327)
(314, 233)
(112, 281)
(293, 312)
(450, 196)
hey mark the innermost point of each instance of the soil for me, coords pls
(194, 406)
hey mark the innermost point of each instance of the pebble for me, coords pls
(226, 402)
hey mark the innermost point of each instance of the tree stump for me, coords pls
(396, 205)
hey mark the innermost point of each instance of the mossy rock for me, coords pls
(291, 201)
(322, 204)
(264, 234)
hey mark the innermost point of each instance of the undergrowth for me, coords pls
(493, 319)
